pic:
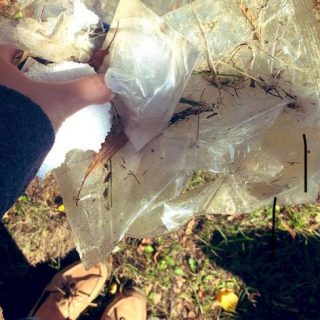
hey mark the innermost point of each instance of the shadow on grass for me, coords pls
(20, 283)
(289, 283)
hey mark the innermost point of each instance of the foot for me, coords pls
(57, 100)
(61, 100)
(70, 292)
(131, 305)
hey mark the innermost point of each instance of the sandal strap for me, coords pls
(45, 295)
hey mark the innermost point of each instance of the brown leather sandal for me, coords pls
(70, 292)
(129, 305)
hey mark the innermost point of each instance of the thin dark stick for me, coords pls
(110, 164)
(273, 243)
(132, 174)
(199, 112)
(198, 125)
(305, 163)
(114, 36)
(114, 110)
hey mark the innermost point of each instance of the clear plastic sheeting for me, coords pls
(241, 122)
(58, 31)
(148, 190)
(63, 30)
(150, 64)
(215, 32)
(160, 7)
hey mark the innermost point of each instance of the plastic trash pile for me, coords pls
(252, 97)
(58, 31)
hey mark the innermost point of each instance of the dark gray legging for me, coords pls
(26, 137)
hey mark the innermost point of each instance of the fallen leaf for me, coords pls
(192, 265)
(179, 283)
(289, 229)
(156, 255)
(140, 249)
(156, 298)
(227, 300)
(146, 241)
(179, 271)
(191, 315)
(113, 288)
(116, 249)
(170, 261)
(190, 226)
(114, 141)
(61, 208)
(149, 249)
(147, 289)
(163, 265)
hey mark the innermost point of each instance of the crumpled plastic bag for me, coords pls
(148, 195)
(61, 30)
(215, 36)
(148, 68)
(160, 7)
(234, 142)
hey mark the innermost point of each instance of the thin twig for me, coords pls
(210, 59)
(239, 71)
(115, 33)
(199, 112)
(284, 62)
(111, 180)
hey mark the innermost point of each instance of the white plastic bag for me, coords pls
(149, 66)
(58, 31)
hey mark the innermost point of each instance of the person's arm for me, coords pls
(30, 112)
(26, 136)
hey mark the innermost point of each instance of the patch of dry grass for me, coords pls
(40, 231)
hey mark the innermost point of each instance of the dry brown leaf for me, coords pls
(156, 299)
(190, 226)
(8, 7)
(147, 289)
(115, 140)
(251, 19)
(146, 241)
(180, 282)
(289, 229)
(192, 315)
(140, 249)
(201, 294)
(156, 255)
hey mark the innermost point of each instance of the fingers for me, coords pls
(8, 52)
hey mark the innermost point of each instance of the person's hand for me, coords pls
(57, 100)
